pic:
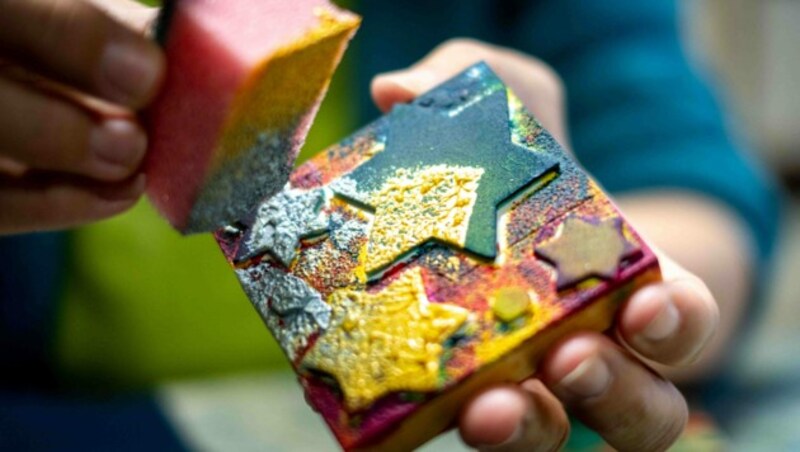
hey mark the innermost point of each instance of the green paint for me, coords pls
(424, 134)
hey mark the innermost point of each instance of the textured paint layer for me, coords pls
(473, 134)
(413, 207)
(454, 237)
(389, 341)
(292, 310)
(282, 221)
(583, 249)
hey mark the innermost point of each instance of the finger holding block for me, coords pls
(244, 81)
(436, 252)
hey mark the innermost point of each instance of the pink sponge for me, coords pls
(244, 81)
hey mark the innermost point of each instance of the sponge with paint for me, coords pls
(244, 81)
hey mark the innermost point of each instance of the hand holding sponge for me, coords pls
(244, 81)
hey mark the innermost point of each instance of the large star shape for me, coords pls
(282, 221)
(583, 249)
(292, 310)
(414, 207)
(475, 135)
(385, 342)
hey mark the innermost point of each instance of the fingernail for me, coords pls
(513, 439)
(664, 324)
(117, 146)
(129, 72)
(589, 379)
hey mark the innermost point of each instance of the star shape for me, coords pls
(292, 310)
(584, 249)
(474, 135)
(414, 207)
(385, 342)
(282, 221)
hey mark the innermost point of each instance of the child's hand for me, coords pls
(603, 380)
(71, 80)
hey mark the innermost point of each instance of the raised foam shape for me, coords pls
(244, 81)
(438, 251)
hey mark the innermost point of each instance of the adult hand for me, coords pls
(603, 380)
(71, 80)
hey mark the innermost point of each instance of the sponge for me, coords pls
(244, 81)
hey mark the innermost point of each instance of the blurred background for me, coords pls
(750, 47)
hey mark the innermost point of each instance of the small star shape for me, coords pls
(292, 309)
(282, 222)
(474, 135)
(385, 342)
(584, 249)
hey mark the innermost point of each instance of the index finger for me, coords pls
(74, 42)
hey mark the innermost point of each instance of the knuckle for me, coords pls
(57, 18)
(53, 18)
(640, 427)
(52, 211)
(61, 138)
(75, 29)
(666, 432)
(64, 207)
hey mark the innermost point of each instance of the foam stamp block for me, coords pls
(244, 81)
(439, 250)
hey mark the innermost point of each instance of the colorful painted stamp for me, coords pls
(439, 250)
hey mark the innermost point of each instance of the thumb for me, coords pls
(536, 84)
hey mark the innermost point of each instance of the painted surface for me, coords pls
(430, 245)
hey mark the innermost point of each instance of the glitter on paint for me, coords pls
(385, 342)
(292, 310)
(282, 221)
(414, 207)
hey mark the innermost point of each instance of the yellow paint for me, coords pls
(505, 212)
(523, 123)
(414, 206)
(385, 342)
(339, 263)
(494, 343)
(286, 85)
(509, 303)
(453, 267)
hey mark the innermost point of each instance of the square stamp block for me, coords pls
(437, 251)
